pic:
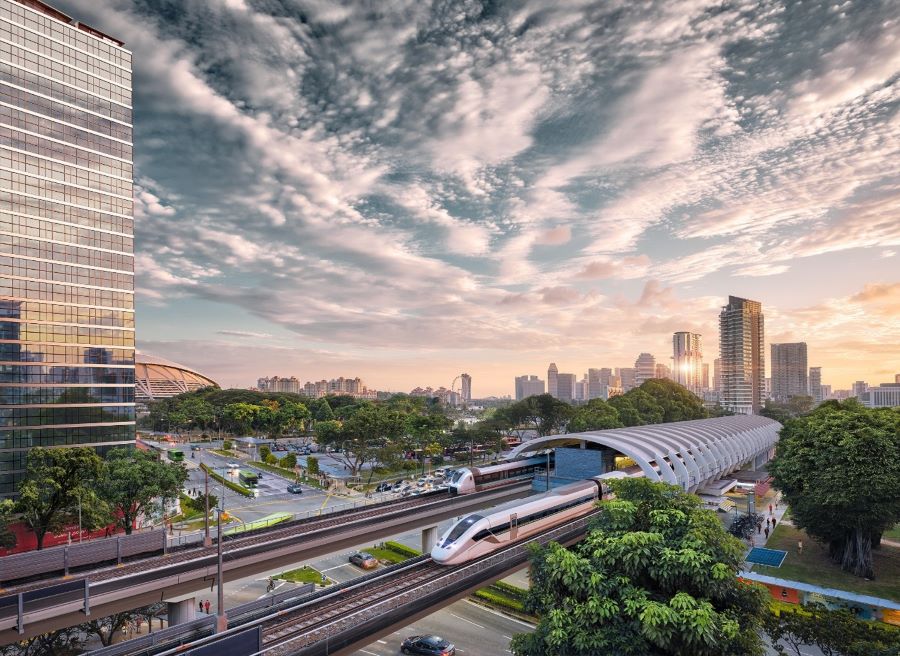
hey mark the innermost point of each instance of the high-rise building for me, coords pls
(601, 384)
(645, 368)
(627, 377)
(528, 386)
(704, 377)
(886, 395)
(815, 384)
(859, 388)
(66, 226)
(662, 371)
(278, 384)
(553, 380)
(789, 371)
(717, 375)
(687, 361)
(565, 390)
(581, 389)
(465, 390)
(826, 392)
(741, 340)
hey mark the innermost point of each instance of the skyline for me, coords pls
(532, 184)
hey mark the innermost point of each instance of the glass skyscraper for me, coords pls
(66, 247)
(741, 355)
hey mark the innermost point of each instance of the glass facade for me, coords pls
(66, 246)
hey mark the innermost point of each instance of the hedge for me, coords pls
(510, 590)
(402, 549)
(500, 600)
(275, 469)
(240, 489)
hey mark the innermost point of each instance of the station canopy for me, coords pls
(689, 454)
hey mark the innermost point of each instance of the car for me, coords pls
(294, 488)
(384, 487)
(233, 465)
(194, 447)
(363, 559)
(428, 645)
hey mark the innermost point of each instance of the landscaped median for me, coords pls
(263, 522)
(240, 489)
(305, 574)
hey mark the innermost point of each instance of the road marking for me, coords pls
(507, 637)
(337, 567)
(465, 620)
(327, 497)
(493, 612)
(382, 642)
(368, 652)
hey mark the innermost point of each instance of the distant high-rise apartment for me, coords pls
(627, 376)
(565, 390)
(886, 395)
(859, 388)
(66, 225)
(789, 371)
(278, 384)
(601, 384)
(743, 360)
(815, 384)
(717, 375)
(687, 361)
(553, 380)
(465, 390)
(826, 392)
(645, 368)
(528, 386)
(704, 377)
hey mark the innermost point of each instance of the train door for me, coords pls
(513, 526)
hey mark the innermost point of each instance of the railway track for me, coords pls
(298, 627)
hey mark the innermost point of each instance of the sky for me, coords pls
(404, 190)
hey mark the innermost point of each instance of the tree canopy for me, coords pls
(839, 470)
(656, 575)
(596, 414)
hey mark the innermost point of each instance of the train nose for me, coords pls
(440, 554)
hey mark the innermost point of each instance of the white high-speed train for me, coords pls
(474, 479)
(480, 534)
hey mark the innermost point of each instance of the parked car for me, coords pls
(294, 488)
(363, 559)
(428, 645)
(384, 487)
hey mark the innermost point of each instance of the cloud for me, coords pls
(244, 333)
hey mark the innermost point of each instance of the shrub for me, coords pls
(227, 444)
(289, 461)
(510, 590)
(500, 600)
(271, 459)
(402, 549)
(312, 465)
(264, 453)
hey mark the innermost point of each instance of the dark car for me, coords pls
(384, 487)
(294, 488)
(429, 645)
(363, 559)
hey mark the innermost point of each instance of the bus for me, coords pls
(175, 455)
(248, 478)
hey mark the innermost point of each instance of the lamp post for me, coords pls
(207, 540)
(221, 619)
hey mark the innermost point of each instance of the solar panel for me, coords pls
(763, 556)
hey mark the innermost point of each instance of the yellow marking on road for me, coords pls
(324, 503)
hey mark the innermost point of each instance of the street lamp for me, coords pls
(221, 619)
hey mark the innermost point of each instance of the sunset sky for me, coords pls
(405, 189)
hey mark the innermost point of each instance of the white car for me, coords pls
(233, 465)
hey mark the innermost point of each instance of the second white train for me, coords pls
(481, 533)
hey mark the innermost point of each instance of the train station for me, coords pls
(698, 456)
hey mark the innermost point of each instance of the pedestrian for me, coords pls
(752, 543)
(759, 528)
(201, 605)
(800, 547)
(767, 522)
(767, 533)
(207, 606)
(770, 508)
(773, 523)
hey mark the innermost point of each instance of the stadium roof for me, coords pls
(689, 454)
(158, 378)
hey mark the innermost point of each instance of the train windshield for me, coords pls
(463, 526)
(458, 475)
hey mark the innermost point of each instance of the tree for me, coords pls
(289, 461)
(839, 470)
(136, 483)
(7, 537)
(106, 628)
(54, 481)
(596, 414)
(656, 575)
(834, 632)
(312, 465)
(323, 411)
(363, 434)
(63, 642)
(264, 452)
(677, 402)
(796, 406)
(241, 416)
(648, 408)
(628, 414)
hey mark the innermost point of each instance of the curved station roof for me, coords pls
(158, 378)
(689, 454)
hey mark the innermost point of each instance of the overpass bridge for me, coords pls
(33, 609)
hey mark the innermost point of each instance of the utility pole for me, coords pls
(221, 619)
(207, 540)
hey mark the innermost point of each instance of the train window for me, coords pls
(458, 475)
(463, 526)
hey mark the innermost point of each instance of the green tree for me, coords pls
(839, 470)
(264, 452)
(55, 479)
(241, 416)
(323, 411)
(834, 632)
(795, 406)
(108, 628)
(7, 537)
(136, 483)
(287, 418)
(63, 642)
(648, 408)
(656, 575)
(628, 414)
(596, 414)
(543, 413)
(677, 402)
(289, 461)
(312, 465)
(365, 432)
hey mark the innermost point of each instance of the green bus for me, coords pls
(176, 456)
(248, 478)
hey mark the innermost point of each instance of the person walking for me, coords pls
(767, 532)
(800, 547)
(759, 528)
(773, 523)
(207, 606)
(770, 508)
(201, 605)
(768, 522)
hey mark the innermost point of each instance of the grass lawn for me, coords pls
(814, 566)
(304, 574)
(894, 533)
(386, 554)
(224, 453)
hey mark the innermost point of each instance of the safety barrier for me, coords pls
(60, 559)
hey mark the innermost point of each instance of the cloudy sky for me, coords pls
(405, 190)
